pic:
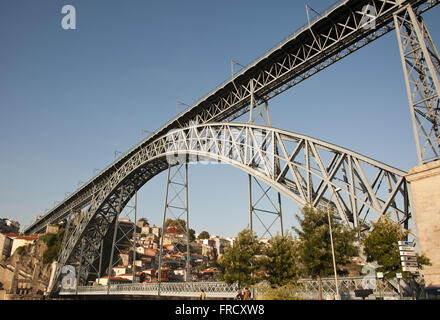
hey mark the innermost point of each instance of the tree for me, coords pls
(53, 243)
(144, 221)
(180, 224)
(204, 235)
(192, 235)
(315, 246)
(282, 260)
(239, 262)
(381, 245)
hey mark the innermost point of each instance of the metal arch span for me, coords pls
(302, 168)
(324, 40)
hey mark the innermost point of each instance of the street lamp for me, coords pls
(233, 63)
(180, 104)
(338, 297)
(144, 131)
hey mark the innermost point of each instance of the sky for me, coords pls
(69, 99)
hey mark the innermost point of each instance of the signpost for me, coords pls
(408, 259)
(408, 256)
(398, 277)
(379, 275)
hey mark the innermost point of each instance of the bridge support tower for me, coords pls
(421, 68)
(259, 112)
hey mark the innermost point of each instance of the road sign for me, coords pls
(408, 258)
(406, 243)
(406, 248)
(407, 253)
(409, 264)
(411, 269)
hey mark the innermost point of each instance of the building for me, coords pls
(6, 241)
(146, 229)
(22, 241)
(209, 274)
(116, 280)
(155, 230)
(142, 222)
(52, 228)
(178, 274)
(9, 226)
(118, 270)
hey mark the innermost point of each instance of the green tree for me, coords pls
(381, 245)
(282, 260)
(204, 235)
(240, 261)
(192, 235)
(180, 224)
(53, 243)
(144, 221)
(315, 246)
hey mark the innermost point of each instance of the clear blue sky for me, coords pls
(70, 98)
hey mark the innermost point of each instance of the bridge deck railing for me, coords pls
(187, 289)
(307, 288)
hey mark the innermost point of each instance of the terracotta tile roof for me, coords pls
(10, 235)
(29, 238)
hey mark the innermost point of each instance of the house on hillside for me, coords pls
(22, 241)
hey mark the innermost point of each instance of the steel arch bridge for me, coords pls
(304, 169)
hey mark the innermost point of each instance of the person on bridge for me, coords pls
(247, 294)
(239, 295)
(202, 295)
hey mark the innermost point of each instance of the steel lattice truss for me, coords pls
(421, 65)
(304, 169)
(339, 31)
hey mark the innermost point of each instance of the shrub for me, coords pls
(53, 243)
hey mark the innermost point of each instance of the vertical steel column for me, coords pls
(176, 182)
(159, 276)
(188, 255)
(251, 111)
(67, 228)
(256, 207)
(78, 276)
(264, 115)
(420, 62)
(115, 231)
(251, 208)
(281, 214)
(134, 237)
(100, 260)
